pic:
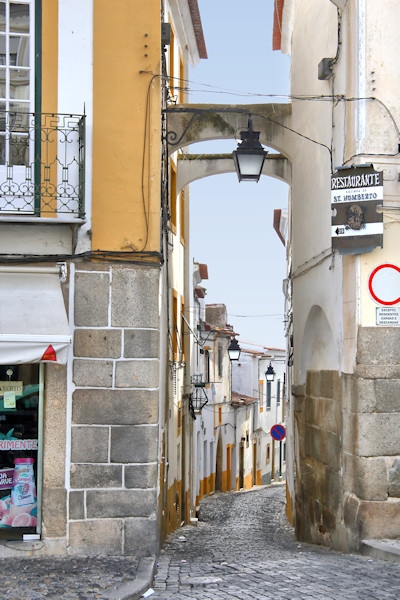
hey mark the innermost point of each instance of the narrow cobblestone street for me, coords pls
(244, 548)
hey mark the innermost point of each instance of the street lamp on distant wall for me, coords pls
(270, 373)
(234, 350)
(249, 156)
(234, 354)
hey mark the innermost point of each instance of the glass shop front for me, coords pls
(34, 330)
(20, 462)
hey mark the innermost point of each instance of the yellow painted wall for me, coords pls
(174, 507)
(212, 484)
(50, 88)
(248, 481)
(126, 125)
(49, 55)
(259, 477)
(207, 486)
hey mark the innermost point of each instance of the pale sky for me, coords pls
(231, 222)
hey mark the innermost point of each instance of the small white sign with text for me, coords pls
(388, 315)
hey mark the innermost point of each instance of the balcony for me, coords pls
(42, 166)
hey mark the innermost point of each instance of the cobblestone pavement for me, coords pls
(64, 578)
(244, 548)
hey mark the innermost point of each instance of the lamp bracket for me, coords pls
(202, 114)
(171, 137)
(198, 398)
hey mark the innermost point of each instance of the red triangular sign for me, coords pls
(49, 354)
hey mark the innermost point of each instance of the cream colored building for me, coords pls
(343, 269)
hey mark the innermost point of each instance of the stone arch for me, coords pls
(193, 167)
(318, 348)
(190, 124)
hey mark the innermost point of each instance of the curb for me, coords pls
(141, 583)
(383, 549)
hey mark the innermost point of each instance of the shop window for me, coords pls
(20, 397)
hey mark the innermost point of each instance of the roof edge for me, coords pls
(197, 28)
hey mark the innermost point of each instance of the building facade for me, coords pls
(258, 380)
(343, 266)
(233, 406)
(91, 268)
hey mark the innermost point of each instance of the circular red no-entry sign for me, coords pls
(278, 432)
(384, 284)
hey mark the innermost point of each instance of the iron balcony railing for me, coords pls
(42, 164)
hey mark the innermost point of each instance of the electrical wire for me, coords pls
(300, 97)
(336, 99)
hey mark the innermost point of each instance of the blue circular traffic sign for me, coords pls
(278, 432)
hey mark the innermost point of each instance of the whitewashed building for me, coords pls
(258, 398)
(343, 269)
(232, 405)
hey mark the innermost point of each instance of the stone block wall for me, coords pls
(112, 500)
(371, 437)
(348, 447)
(318, 414)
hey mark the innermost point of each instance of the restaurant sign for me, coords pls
(356, 226)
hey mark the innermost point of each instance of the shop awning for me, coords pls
(33, 320)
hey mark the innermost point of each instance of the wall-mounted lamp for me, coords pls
(234, 350)
(270, 373)
(249, 156)
(198, 397)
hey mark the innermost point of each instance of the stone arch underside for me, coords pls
(193, 123)
(318, 348)
(192, 167)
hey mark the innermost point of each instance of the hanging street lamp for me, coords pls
(234, 350)
(270, 373)
(249, 156)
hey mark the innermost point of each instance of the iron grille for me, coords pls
(42, 164)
